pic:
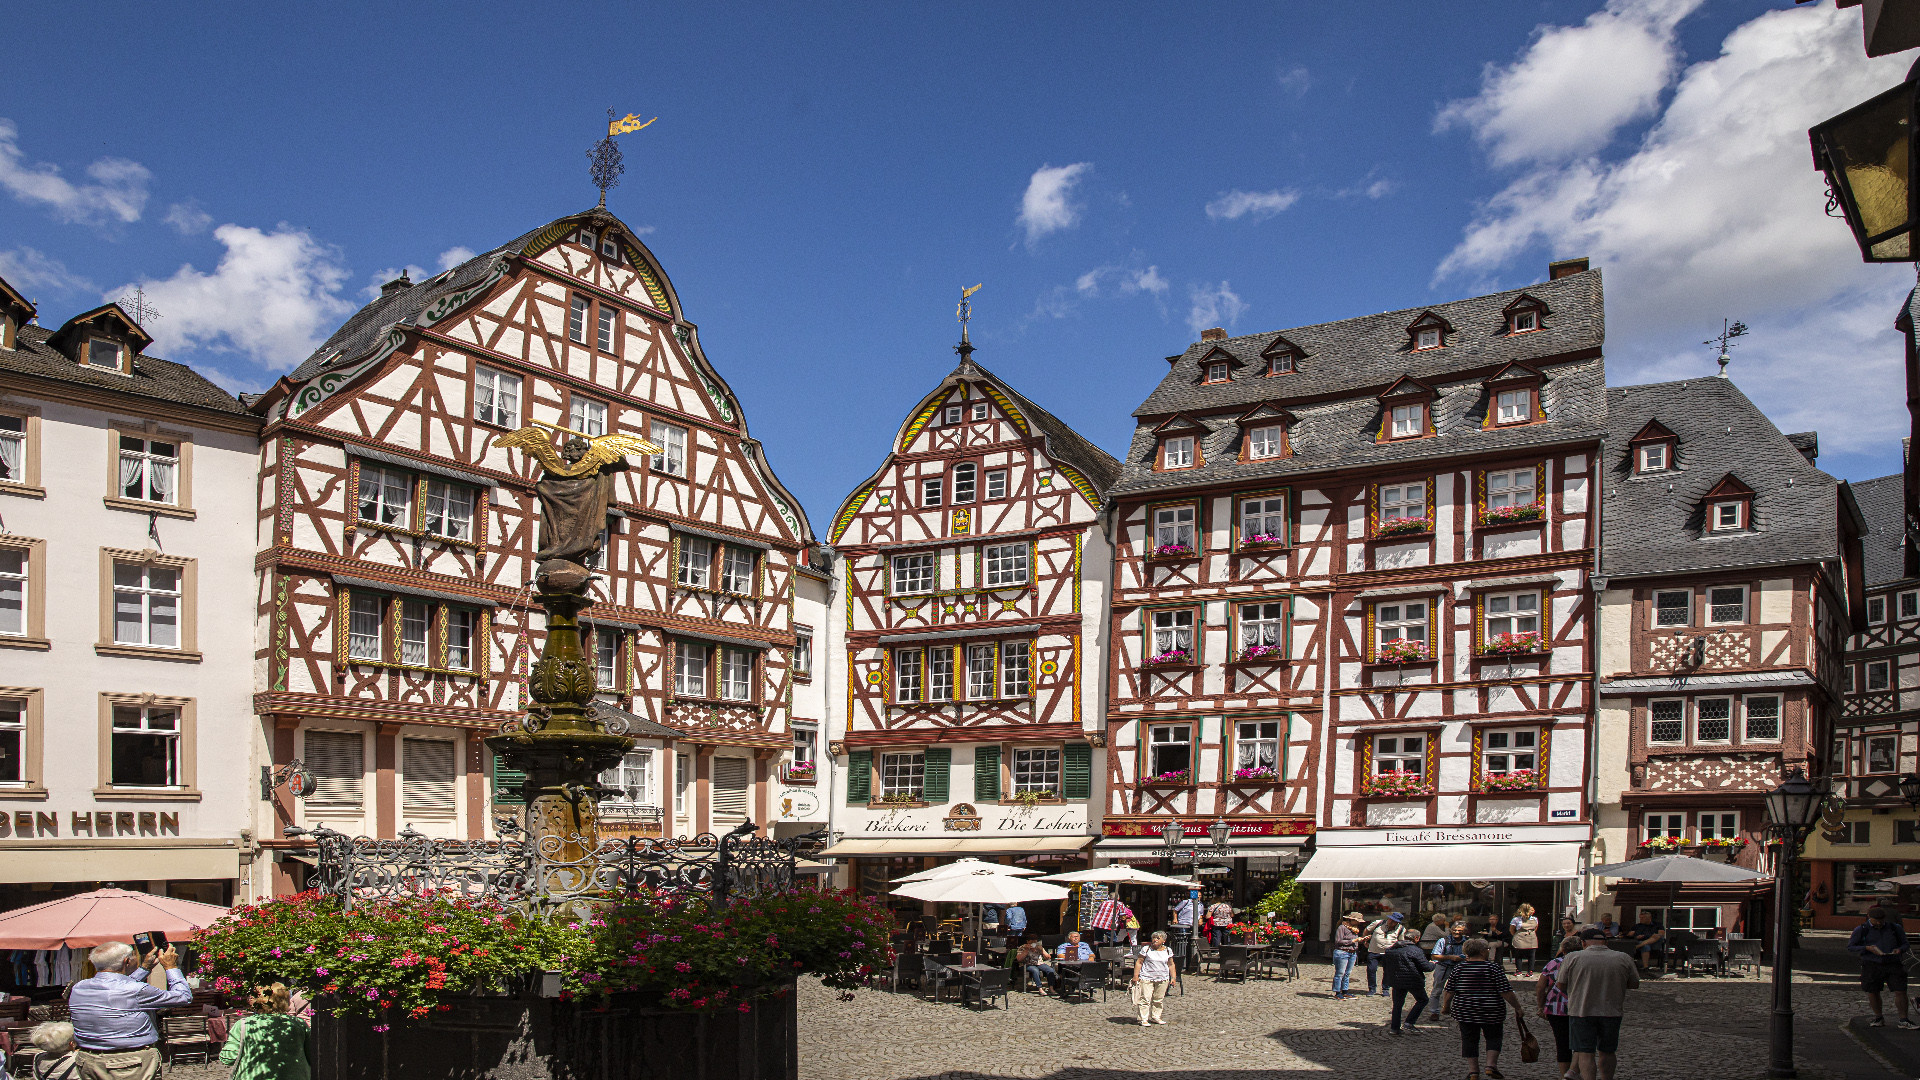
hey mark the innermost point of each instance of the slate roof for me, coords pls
(1648, 529)
(1343, 366)
(1880, 502)
(160, 380)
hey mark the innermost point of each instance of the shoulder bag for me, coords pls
(1529, 1046)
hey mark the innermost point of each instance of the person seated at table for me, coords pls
(1074, 950)
(59, 1057)
(1033, 957)
(1607, 926)
(1650, 940)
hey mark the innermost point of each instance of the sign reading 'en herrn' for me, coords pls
(35, 825)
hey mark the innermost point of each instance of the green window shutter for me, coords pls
(986, 774)
(939, 760)
(1076, 771)
(506, 784)
(859, 777)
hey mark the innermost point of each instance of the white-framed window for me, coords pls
(1015, 668)
(13, 449)
(1403, 501)
(965, 482)
(414, 620)
(1713, 720)
(904, 773)
(940, 674)
(1169, 749)
(587, 416)
(13, 743)
(608, 329)
(149, 469)
(803, 653)
(102, 353)
(386, 495)
(1006, 564)
(1879, 675)
(1263, 520)
(1524, 321)
(953, 414)
(980, 409)
(1263, 625)
(682, 782)
(1427, 339)
(996, 483)
(1673, 607)
(1506, 750)
(1263, 442)
(606, 658)
(1512, 613)
(1400, 620)
(1173, 527)
(980, 671)
(672, 440)
(496, 397)
(1876, 609)
(1652, 457)
(736, 673)
(1408, 420)
(13, 591)
(1400, 753)
(932, 491)
(1513, 406)
(146, 605)
(696, 562)
(1256, 744)
(689, 669)
(1727, 604)
(586, 238)
(365, 614)
(610, 249)
(1177, 453)
(461, 623)
(449, 510)
(1666, 722)
(908, 672)
(146, 747)
(1663, 826)
(1280, 363)
(1036, 768)
(631, 779)
(736, 569)
(1726, 516)
(806, 743)
(1762, 719)
(1510, 487)
(1217, 371)
(1718, 825)
(1909, 602)
(577, 319)
(1173, 632)
(427, 777)
(912, 574)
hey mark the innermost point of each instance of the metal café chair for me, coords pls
(1080, 979)
(186, 1036)
(934, 977)
(1744, 953)
(907, 968)
(1117, 958)
(987, 985)
(1234, 961)
(1281, 959)
(1702, 956)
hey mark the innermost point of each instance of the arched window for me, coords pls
(963, 482)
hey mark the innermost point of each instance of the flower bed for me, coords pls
(1509, 644)
(1401, 651)
(1262, 774)
(1517, 780)
(1172, 551)
(1397, 782)
(1509, 515)
(1179, 776)
(1404, 526)
(1260, 652)
(1168, 658)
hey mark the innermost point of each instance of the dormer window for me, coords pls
(1729, 506)
(1653, 457)
(1280, 364)
(102, 353)
(1428, 331)
(1728, 516)
(1653, 450)
(1427, 338)
(1407, 421)
(1217, 371)
(1514, 406)
(1282, 356)
(1177, 452)
(1263, 442)
(1523, 321)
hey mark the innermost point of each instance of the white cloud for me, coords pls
(1047, 206)
(274, 297)
(188, 218)
(1717, 212)
(1237, 204)
(29, 270)
(1370, 186)
(118, 193)
(1294, 80)
(1120, 281)
(1574, 86)
(454, 256)
(1213, 305)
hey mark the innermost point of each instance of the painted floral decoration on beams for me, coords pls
(1397, 782)
(1507, 515)
(1504, 644)
(1404, 526)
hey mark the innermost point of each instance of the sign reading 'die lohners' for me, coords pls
(986, 818)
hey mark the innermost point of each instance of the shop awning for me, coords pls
(998, 845)
(1444, 862)
(112, 862)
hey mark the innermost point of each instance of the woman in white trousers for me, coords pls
(1152, 974)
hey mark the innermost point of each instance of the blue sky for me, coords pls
(823, 180)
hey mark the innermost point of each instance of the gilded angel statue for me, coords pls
(575, 489)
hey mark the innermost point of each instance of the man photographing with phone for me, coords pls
(112, 1012)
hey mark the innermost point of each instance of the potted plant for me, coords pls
(801, 771)
(1260, 652)
(1288, 900)
(1172, 551)
(1396, 782)
(1172, 778)
(1169, 658)
(1261, 540)
(1258, 774)
(1509, 515)
(899, 798)
(1721, 849)
(1034, 796)
(1513, 644)
(1404, 526)
(1514, 780)
(1401, 651)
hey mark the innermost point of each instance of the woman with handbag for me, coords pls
(1553, 1005)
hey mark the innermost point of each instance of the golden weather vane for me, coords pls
(605, 162)
(965, 310)
(630, 122)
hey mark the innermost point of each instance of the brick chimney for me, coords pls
(1558, 270)
(394, 286)
(1218, 333)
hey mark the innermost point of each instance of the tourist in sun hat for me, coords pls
(1382, 934)
(1346, 949)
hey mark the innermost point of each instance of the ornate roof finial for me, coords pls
(605, 162)
(965, 312)
(1728, 331)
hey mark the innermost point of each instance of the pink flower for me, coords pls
(682, 966)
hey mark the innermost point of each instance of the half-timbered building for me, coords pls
(1350, 603)
(1725, 573)
(396, 536)
(974, 569)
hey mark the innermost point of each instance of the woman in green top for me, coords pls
(269, 1043)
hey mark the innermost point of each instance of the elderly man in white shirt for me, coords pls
(112, 1013)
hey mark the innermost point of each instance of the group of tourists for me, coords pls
(1154, 970)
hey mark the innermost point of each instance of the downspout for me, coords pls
(1597, 641)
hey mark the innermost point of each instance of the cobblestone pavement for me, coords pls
(1676, 1029)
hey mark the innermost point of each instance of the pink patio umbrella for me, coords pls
(101, 916)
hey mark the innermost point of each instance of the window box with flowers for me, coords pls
(1404, 526)
(1514, 644)
(1722, 849)
(1513, 515)
(1175, 778)
(1395, 783)
(1034, 797)
(798, 772)
(1171, 551)
(1402, 651)
(1516, 780)
(1170, 658)
(899, 798)
(1257, 775)
(1662, 845)
(1262, 540)
(1253, 654)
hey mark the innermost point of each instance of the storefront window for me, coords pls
(1860, 887)
(1484, 905)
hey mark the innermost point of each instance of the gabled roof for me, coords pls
(1655, 523)
(1179, 423)
(12, 298)
(1882, 503)
(1428, 318)
(1220, 354)
(1526, 301)
(62, 339)
(1516, 371)
(153, 378)
(1729, 485)
(1406, 386)
(1280, 345)
(1266, 410)
(1654, 431)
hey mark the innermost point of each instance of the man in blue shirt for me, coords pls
(1881, 945)
(1014, 920)
(112, 1012)
(1073, 949)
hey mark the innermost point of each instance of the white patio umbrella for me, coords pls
(981, 886)
(1124, 875)
(1675, 870)
(966, 866)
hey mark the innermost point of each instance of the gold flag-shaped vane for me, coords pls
(630, 122)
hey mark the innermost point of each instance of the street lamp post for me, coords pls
(1791, 810)
(1868, 154)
